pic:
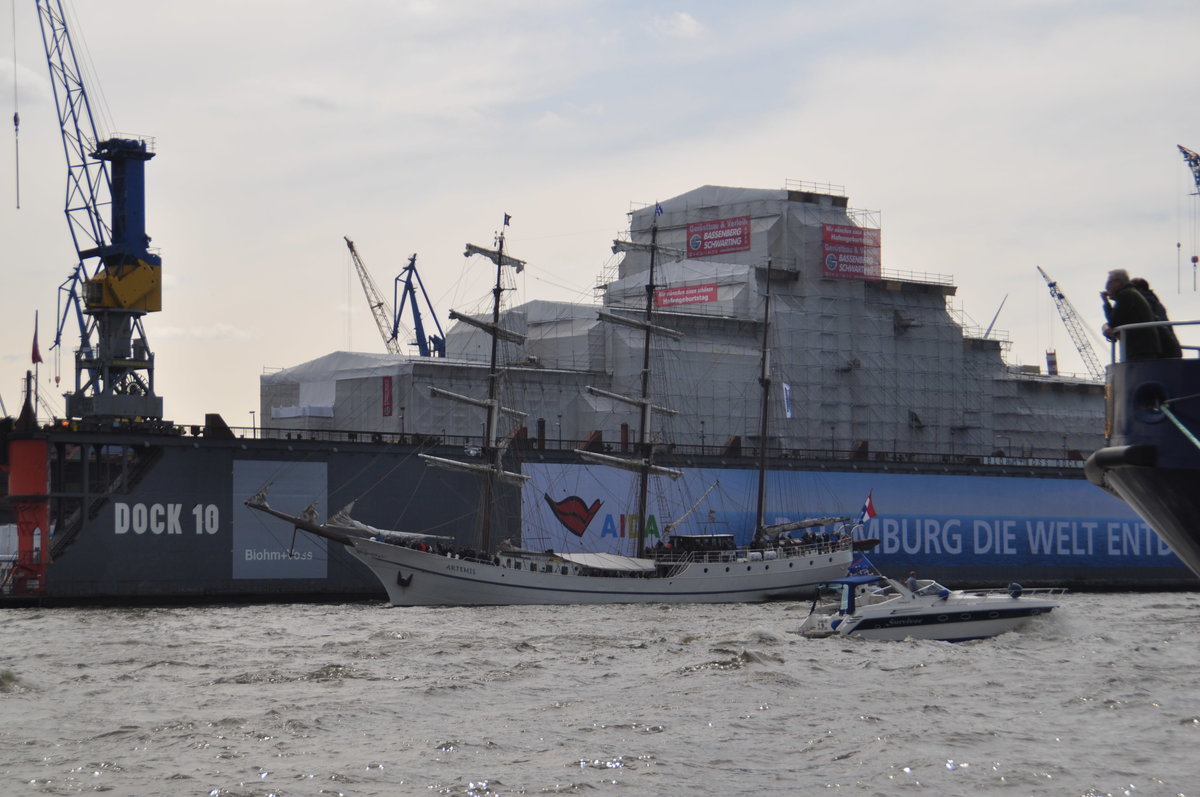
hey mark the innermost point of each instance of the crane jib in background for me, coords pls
(389, 321)
(1193, 161)
(1075, 328)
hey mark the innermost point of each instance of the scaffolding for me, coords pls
(872, 367)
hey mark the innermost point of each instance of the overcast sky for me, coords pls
(992, 137)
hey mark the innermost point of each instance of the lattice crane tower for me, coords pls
(1075, 328)
(379, 308)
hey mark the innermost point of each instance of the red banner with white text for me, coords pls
(708, 238)
(849, 252)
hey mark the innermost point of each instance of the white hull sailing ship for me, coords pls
(425, 570)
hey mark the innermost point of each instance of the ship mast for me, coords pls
(643, 463)
(645, 447)
(761, 529)
(493, 451)
(764, 380)
(490, 449)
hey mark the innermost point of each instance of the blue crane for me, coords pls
(1193, 162)
(117, 279)
(427, 346)
(389, 321)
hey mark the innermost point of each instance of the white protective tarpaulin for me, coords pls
(609, 561)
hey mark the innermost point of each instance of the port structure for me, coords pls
(117, 279)
(1074, 327)
(389, 321)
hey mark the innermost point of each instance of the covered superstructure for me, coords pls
(868, 362)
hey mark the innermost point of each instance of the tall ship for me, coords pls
(705, 567)
(974, 467)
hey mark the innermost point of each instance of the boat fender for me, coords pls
(944, 593)
(1131, 456)
(1015, 590)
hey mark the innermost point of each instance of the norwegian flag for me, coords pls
(868, 510)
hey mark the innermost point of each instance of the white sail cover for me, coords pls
(609, 561)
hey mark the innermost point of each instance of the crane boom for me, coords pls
(379, 307)
(1075, 328)
(114, 366)
(1193, 162)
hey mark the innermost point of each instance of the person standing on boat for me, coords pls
(1166, 335)
(1124, 305)
(911, 582)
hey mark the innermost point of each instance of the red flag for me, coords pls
(37, 355)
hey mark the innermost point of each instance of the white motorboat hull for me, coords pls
(954, 624)
(418, 578)
(932, 613)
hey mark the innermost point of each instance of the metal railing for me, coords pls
(1117, 346)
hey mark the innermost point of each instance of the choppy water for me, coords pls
(1100, 698)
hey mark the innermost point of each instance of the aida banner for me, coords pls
(707, 238)
(961, 527)
(688, 294)
(387, 397)
(849, 252)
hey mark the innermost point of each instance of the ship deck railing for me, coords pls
(1025, 592)
(744, 554)
(1117, 347)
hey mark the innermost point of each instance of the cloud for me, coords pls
(209, 333)
(680, 25)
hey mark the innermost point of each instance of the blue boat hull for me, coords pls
(1152, 461)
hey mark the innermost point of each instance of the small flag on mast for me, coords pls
(861, 566)
(507, 218)
(658, 211)
(868, 510)
(37, 354)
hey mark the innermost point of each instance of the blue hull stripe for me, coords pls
(950, 618)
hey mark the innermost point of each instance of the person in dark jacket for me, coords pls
(1167, 340)
(1124, 305)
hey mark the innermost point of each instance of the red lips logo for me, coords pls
(573, 513)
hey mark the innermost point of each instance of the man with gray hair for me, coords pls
(1124, 305)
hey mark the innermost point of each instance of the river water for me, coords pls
(1100, 698)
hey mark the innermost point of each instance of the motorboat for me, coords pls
(876, 607)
